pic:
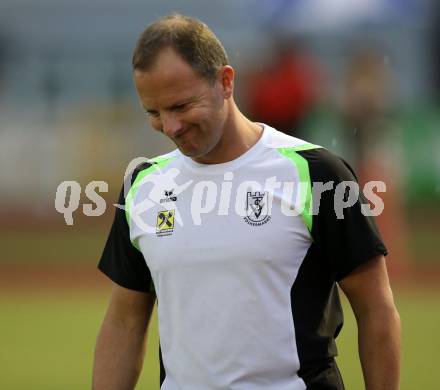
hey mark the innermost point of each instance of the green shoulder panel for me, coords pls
(302, 167)
(157, 163)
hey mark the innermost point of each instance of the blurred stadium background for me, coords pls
(361, 78)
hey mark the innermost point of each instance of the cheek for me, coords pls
(200, 115)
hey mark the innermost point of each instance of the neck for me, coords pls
(239, 135)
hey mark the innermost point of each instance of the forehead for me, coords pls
(169, 80)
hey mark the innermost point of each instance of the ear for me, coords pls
(226, 79)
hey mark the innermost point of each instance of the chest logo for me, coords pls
(165, 223)
(257, 209)
(169, 196)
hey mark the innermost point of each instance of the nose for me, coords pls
(170, 124)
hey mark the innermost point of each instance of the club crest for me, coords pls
(257, 208)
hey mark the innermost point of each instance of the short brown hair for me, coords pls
(189, 37)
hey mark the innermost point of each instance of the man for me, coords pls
(222, 232)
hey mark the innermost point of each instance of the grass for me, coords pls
(47, 342)
(68, 245)
(420, 317)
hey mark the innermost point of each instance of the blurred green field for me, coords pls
(47, 342)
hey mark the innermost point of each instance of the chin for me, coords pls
(195, 151)
(189, 152)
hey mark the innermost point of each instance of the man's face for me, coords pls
(187, 108)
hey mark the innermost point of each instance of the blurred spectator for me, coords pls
(4, 51)
(283, 93)
(51, 88)
(435, 42)
(366, 101)
(368, 127)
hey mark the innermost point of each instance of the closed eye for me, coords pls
(177, 108)
(181, 107)
(153, 114)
